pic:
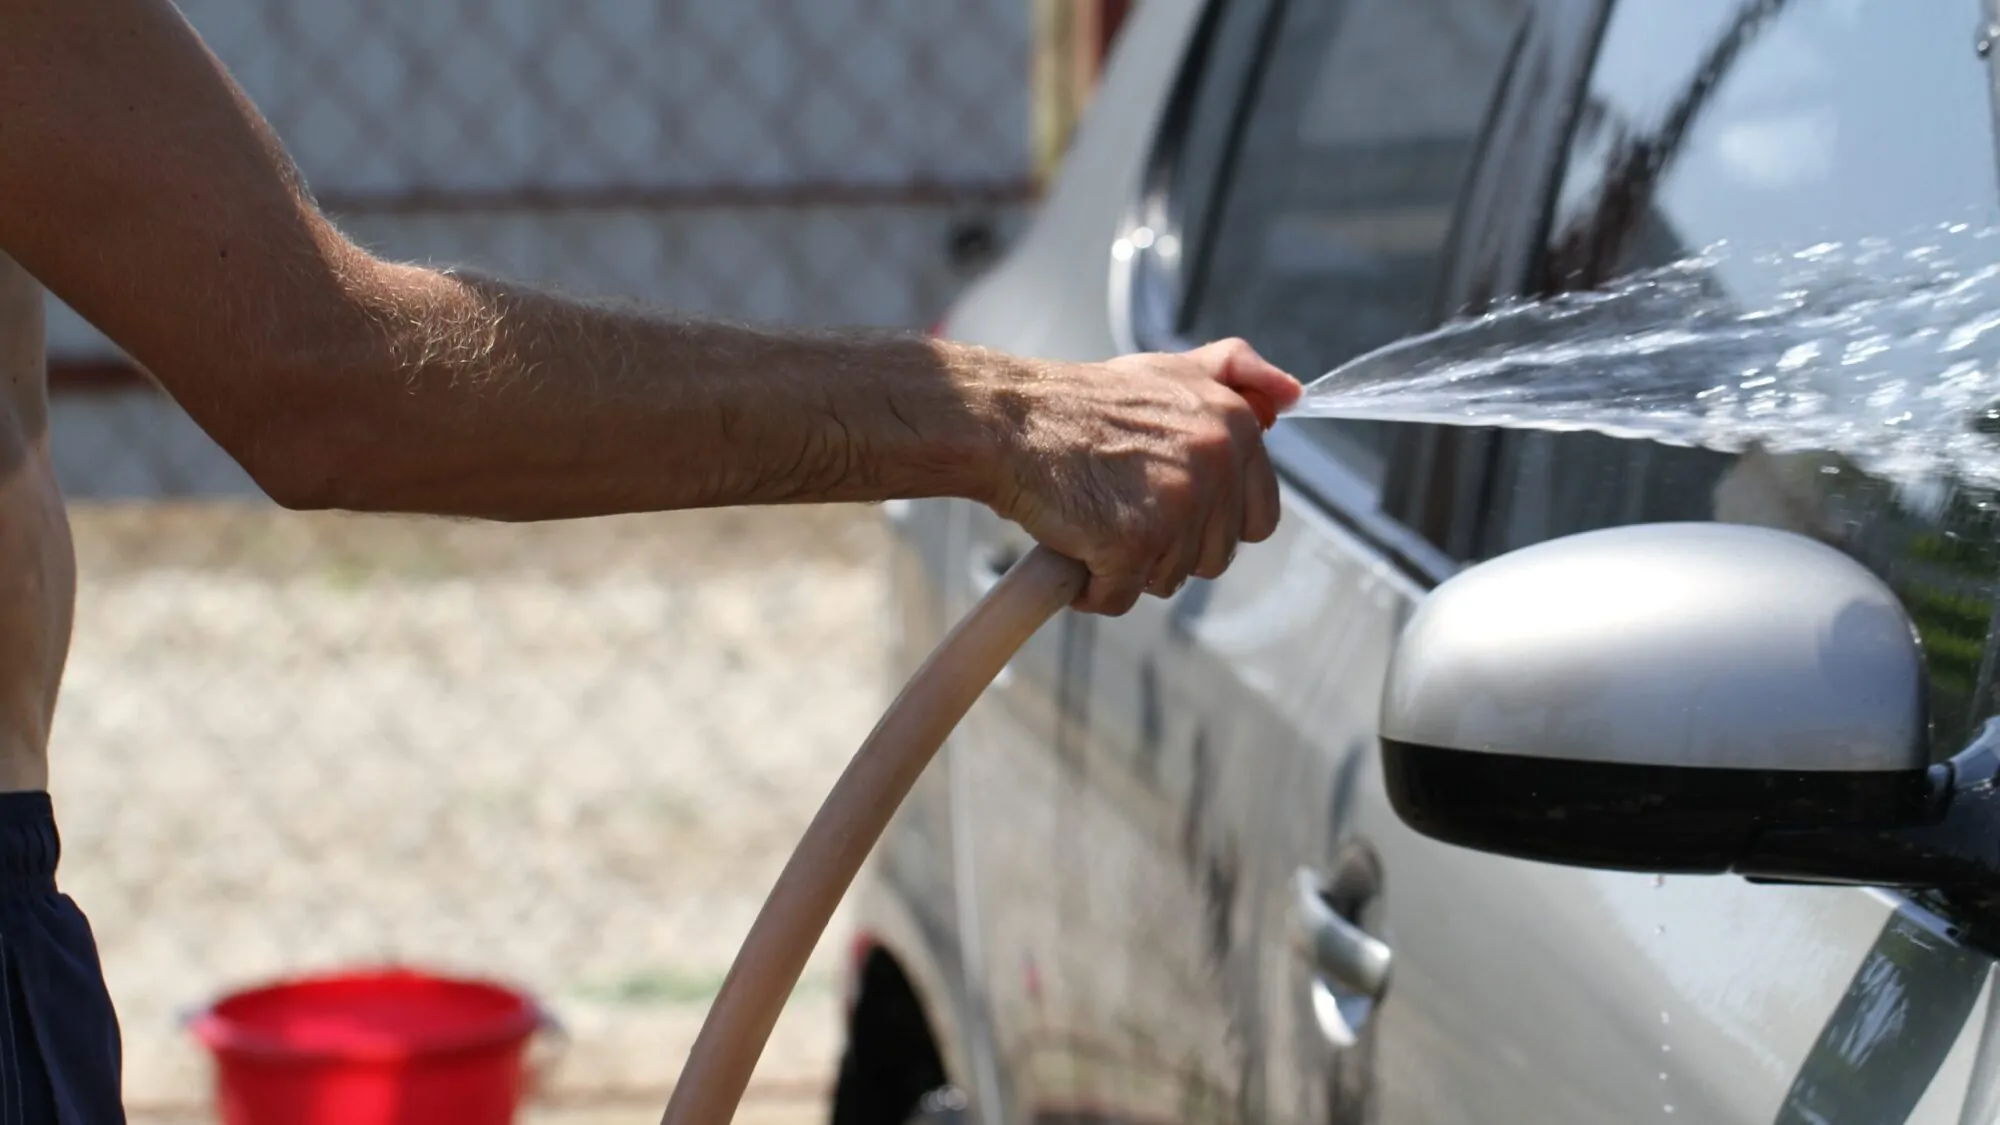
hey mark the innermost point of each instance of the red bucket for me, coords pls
(393, 1047)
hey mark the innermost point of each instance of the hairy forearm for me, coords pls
(455, 394)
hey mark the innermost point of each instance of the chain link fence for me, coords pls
(570, 755)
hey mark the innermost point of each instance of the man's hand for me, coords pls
(1148, 468)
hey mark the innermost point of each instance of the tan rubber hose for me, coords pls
(850, 821)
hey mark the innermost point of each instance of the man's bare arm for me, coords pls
(139, 184)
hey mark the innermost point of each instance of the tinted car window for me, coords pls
(1330, 223)
(1770, 127)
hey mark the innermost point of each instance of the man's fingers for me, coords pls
(1170, 571)
(1218, 538)
(1224, 522)
(1110, 595)
(1160, 576)
(1119, 578)
(1189, 556)
(1275, 387)
(1262, 406)
(1260, 496)
(1238, 366)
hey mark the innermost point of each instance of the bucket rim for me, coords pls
(225, 1037)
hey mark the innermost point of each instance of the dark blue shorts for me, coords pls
(59, 1051)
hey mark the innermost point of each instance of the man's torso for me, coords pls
(37, 566)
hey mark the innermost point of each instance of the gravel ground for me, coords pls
(572, 756)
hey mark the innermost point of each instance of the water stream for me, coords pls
(1886, 352)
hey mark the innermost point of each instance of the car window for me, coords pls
(1331, 216)
(1766, 127)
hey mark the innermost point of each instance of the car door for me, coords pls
(1529, 992)
(1031, 929)
(1305, 197)
(1119, 783)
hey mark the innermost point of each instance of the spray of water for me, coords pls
(1886, 352)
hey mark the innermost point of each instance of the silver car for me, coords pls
(1158, 874)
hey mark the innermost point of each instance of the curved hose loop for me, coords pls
(849, 822)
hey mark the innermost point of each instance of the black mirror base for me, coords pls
(1666, 819)
(1955, 854)
(1934, 830)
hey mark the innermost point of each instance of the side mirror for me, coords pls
(1697, 698)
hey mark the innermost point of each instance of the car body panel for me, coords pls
(1125, 810)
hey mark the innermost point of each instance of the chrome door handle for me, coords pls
(1343, 952)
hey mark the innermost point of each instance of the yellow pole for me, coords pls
(1053, 84)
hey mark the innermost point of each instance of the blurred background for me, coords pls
(570, 756)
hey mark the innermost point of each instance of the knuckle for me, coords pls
(1156, 550)
(1235, 351)
(1270, 524)
(1230, 413)
(1121, 601)
(1104, 590)
(1244, 426)
(1217, 558)
(1213, 442)
(1115, 570)
(1139, 538)
(1173, 499)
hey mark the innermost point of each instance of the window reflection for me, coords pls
(1334, 217)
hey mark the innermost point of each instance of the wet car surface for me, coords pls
(1090, 910)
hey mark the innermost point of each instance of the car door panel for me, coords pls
(1135, 797)
(1531, 992)
(1197, 714)
(1249, 667)
(1111, 876)
(1329, 228)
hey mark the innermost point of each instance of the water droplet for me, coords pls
(1663, 1076)
(1659, 929)
(1659, 881)
(1666, 1048)
(1142, 238)
(1667, 1109)
(1797, 356)
(1664, 1018)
